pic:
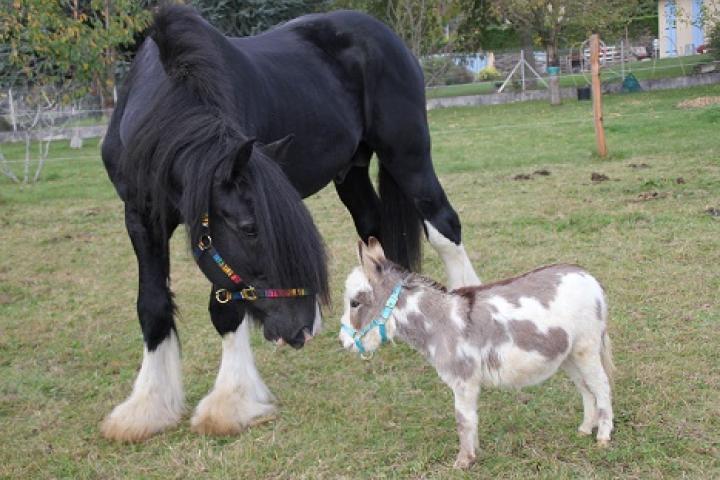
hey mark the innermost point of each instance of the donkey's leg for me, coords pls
(589, 410)
(361, 200)
(411, 167)
(157, 399)
(467, 422)
(239, 398)
(594, 376)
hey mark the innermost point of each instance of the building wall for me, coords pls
(679, 29)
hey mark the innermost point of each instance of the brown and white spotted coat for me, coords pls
(513, 333)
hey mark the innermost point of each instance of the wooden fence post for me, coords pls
(597, 95)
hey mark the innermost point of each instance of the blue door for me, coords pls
(698, 35)
(670, 30)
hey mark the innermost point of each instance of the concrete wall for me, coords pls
(569, 93)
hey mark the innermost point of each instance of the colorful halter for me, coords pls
(378, 322)
(248, 293)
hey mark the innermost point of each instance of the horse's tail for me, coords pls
(400, 224)
(606, 356)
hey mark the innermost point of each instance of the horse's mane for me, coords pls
(191, 131)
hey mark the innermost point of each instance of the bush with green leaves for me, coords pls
(488, 74)
(442, 70)
(715, 41)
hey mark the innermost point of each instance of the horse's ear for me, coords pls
(278, 149)
(236, 162)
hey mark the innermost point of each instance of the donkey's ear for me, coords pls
(278, 149)
(371, 258)
(375, 249)
(237, 160)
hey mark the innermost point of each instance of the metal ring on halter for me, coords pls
(205, 242)
(249, 294)
(223, 296)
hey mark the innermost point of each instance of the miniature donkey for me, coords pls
(512, 333)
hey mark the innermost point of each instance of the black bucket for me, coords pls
(584, 93)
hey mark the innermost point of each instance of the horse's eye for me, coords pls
(249, 229)
(354, 303)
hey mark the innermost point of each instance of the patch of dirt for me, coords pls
(680, 181)
(713, 211)
(645, 196)
(5, 299)
(699, 102)
(639, 165)
(599, 177)
(524, 176)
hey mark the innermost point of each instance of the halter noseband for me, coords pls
(378, 322)
(245, 291)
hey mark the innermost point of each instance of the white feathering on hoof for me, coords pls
(240, 398)
(157, 399)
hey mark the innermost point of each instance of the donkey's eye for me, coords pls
(354, 303)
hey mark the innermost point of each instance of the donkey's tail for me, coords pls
(606, 356)
(400, 224)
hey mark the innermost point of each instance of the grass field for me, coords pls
(70, 345)
(643, 70)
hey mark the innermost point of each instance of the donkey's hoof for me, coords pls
(603, 442)
(229, 413)
(464, 461)
(584, 432)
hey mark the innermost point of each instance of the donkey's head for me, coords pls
(266, 253)
(371, 291)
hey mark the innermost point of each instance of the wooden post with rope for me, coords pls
(597, 95)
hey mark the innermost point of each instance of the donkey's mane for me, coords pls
(412, 279)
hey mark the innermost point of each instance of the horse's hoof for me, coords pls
(464, 461)
(584, 432)
(136, 421)
(229, 413)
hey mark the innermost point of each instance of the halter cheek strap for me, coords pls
(249, 293)
(378, 322)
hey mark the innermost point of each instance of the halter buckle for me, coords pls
(223, 296)
(249, 294)
(205, 242)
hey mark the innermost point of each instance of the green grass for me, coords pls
(70, 344)
(644, 70)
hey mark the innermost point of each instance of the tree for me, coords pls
(248, 17)
(72, 45)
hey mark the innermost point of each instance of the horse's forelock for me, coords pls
(295, 250)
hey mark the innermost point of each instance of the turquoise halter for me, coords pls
(378, 322)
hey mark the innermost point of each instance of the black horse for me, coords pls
(226, 135)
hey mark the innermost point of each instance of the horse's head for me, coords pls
(266, 252)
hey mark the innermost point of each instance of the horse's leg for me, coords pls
(157, 399)
(467, 423)
(361, 200)
(411, 167)
(593, 374)
(239, 398)
(588, 399)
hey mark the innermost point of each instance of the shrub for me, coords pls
(715, 41)
(444, 71)
(488, 74)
